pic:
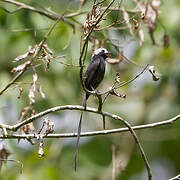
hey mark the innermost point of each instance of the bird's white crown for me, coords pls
(98, 51)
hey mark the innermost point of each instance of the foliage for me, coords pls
(55, 76)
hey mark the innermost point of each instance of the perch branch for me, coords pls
(84, 48)
(20, 124)
(94, 133)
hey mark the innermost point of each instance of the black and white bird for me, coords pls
(93, 77)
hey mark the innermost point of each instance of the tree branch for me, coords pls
(175, 178)
(139, 146)
(39, 47)
(94, 133)
(71, 107)
(84, 48)
(13, 80)
(49, 14)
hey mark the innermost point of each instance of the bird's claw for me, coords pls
(95, 92)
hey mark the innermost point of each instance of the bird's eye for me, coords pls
(103, 51)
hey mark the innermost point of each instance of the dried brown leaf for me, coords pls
(41, 92)
(117, 77)
(23, 56)
(92, 19)
(20, 92)
(121, 56)
(20, 67)
(116, 60)
(28, 128)
(114, 93)
(48, 60)
(32, 89)
(83, 2)
(166, 40)
(45, 46)
(136, 24)
(40, 150)
(33, 112)
(113, 60)
(4, 153)
(127, 21)
(150, 20)
(36, 49)
(49, 126)
(96, 44)
(35, 78)
(154, 73)
(31, 94)
(125, 16)
(151, 16)
(141, 36)
(156, 4)
(24, 112)
(143, 16)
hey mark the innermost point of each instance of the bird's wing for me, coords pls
(90, 73)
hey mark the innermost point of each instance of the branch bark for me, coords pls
(175, 178)
(88, 109)
(71, 107)
(93, 133)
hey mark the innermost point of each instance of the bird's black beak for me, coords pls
(108, 54)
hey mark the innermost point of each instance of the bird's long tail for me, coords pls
(79, 132)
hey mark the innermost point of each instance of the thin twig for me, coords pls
(34, 56)
(100, 109)
(94, 133)
(66, 64)
(139, 146)
(104, 122)
(119, 85)
(16, 161)
(11, 12)
(175, 178)
(113, 162)
(100, 103)
(108, 93)
(124, 82)
(51, 15)
(13, 80)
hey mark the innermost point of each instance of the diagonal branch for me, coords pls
(14, 79)
(139, 146)
(39, 47)
(175, 178)
(49, 14)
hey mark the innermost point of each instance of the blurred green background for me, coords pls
(147, 101)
